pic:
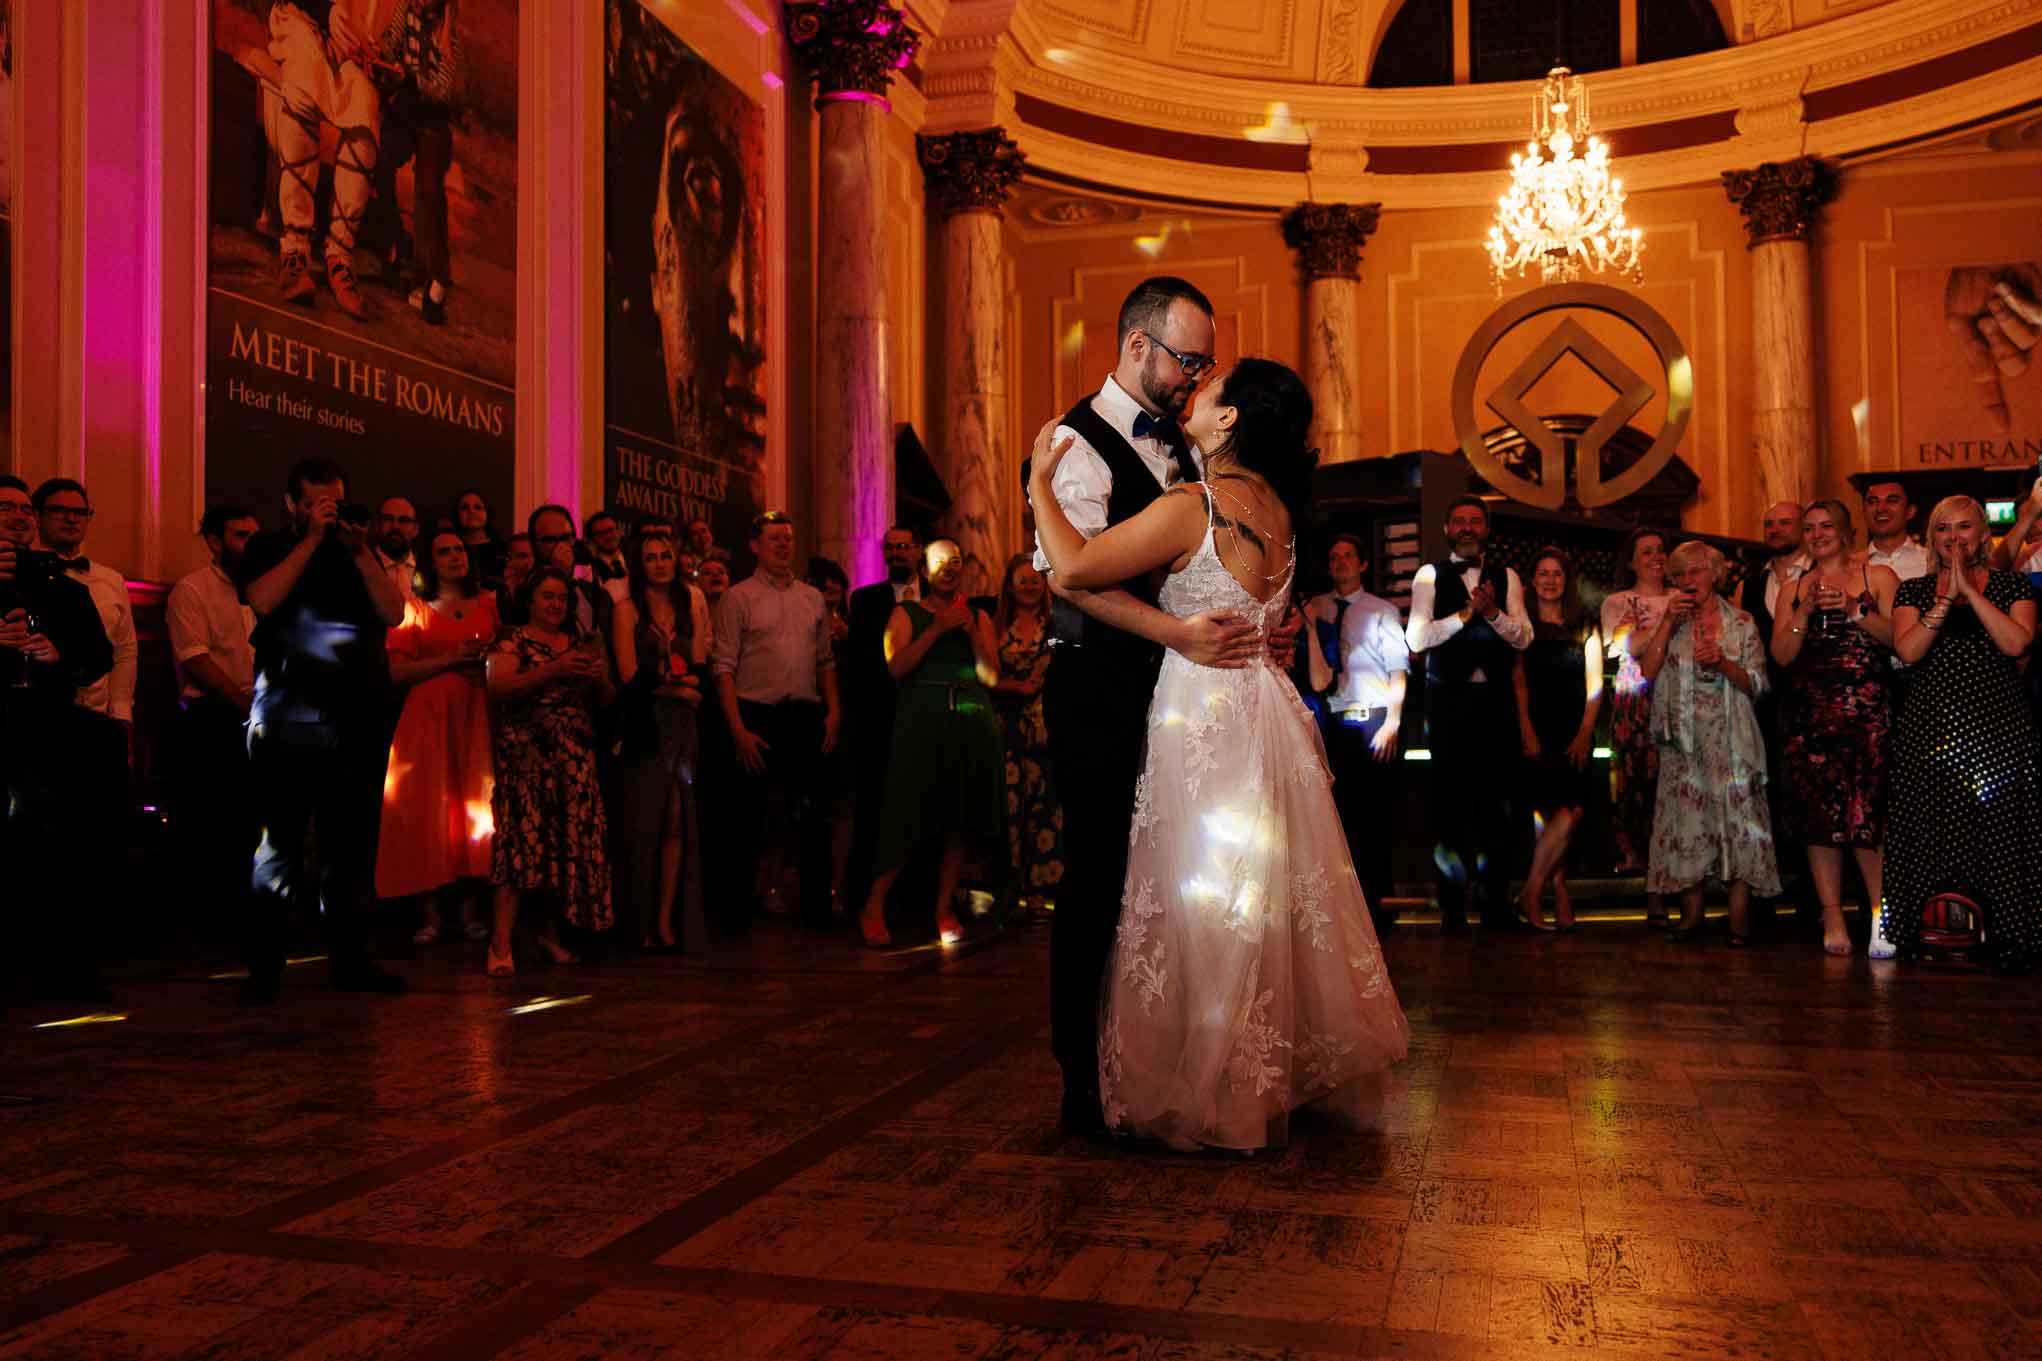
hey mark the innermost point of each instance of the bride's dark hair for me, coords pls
(1273, 412)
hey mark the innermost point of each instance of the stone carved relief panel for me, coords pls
(1340, 43)
(1124, 19)
(1260, 32)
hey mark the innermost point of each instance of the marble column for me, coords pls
(853, 48)
(1328, 238)
(1780, 202)
(970, 176)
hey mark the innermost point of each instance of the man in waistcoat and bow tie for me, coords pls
(1108, 648)
(1469, 621)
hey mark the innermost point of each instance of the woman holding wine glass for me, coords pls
(1967, 793)
(1706, 665)
(546, 680)
(1835, 719)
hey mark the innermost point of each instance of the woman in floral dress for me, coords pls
(1629, 618)
(1836, 718)
(1707, 665)
(1035, 821)
(547, 682)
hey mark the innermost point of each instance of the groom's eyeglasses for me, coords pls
(1192, 364)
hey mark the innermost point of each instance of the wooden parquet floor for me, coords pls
(1601, 1146)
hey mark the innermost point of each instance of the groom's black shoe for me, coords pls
(1081, 1116)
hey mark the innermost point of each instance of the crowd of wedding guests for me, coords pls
(601, 736)
(1856, 704)
(607, 737)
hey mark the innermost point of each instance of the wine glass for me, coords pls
(21, 680)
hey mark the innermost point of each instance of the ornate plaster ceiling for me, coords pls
(1241, 103)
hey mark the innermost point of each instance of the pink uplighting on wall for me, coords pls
(854, 96)
(772, 82)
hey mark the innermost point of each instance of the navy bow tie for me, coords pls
(77, 565)
(1154, 427)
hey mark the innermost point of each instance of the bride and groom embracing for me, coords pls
(1212, 962)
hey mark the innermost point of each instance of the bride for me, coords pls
(1246, 980)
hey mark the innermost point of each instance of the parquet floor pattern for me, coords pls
(1601, 1146)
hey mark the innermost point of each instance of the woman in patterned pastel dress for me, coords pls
(1707, 665)
(1246, 980)
(1629, 618)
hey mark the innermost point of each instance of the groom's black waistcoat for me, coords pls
(1134, 487)
(1475, 646)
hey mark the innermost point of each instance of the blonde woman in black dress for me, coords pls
(1967, 792)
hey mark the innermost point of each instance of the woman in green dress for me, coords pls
(947, 776)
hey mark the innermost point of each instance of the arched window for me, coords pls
(1523, 39)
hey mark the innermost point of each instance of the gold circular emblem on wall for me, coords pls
(1549, 492)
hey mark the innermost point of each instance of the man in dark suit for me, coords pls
(869, 693)
(52, 644)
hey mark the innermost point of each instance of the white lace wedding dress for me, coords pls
(1246, 980)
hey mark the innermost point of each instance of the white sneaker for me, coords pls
(1881, 946)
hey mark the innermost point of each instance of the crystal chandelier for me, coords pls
(1563, 210)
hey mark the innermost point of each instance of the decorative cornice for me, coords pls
(1780, 200)
(1328, 237)
(852, 47)
(970, 171)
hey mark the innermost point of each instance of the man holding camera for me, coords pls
(317, 740)
(51, 645)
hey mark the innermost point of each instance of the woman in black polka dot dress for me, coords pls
(1966, 810)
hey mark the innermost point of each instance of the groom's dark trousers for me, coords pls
(1095, 703)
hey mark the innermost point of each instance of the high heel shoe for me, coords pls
(1682, 934)
(557, 952)
(426, 935)
(948, 929)
(500, 965)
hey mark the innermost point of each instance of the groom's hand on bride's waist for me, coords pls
(1219, 638)
(1283, 639)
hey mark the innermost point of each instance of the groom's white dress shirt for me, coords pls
(1511, 623)
(1083, 483)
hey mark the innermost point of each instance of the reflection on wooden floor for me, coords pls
(1603, 1143)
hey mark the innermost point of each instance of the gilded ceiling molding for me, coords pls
(1328, 237)
(970, 171)
(1340, 43)
(852, 47)
(1781, 200)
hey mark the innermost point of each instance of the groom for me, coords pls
(1108, 648)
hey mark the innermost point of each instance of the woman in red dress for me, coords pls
(437, 829)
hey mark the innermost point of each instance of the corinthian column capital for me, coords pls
(852, 47)
(1328, 237)
(1780, 200)
(970, 171)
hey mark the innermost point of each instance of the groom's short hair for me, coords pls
(1149, 305)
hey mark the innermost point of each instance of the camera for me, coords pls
(351, 513)
(34, 570)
